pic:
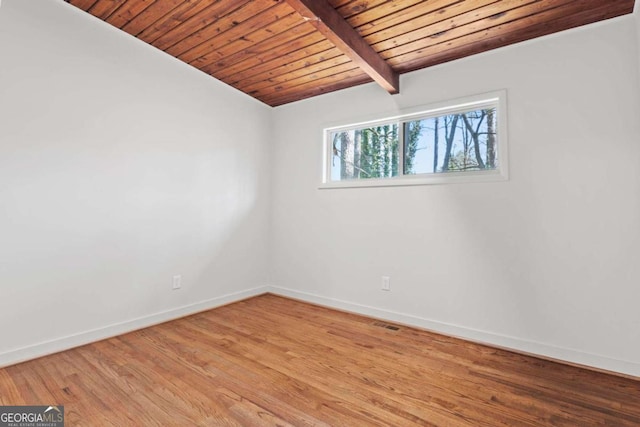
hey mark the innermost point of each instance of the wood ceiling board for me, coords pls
(339, 32)
(403, 12)
(247, 39)
(199, 21)
(571, 16)
(460, 25)
(288, 62)
(273, 50)
(447, 17)
(128, 11)
(304, 65)
(326, 82)
(227, 29)
(329, 79)
(328, 85)
(285, 51)
(159, 27)
(103, 8)
(152, 14)
(315, 89)
(259, 46)
(302, 75)
(83, 4)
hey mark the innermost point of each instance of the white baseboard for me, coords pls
(576, 357)
(623, 367)
(65, 343)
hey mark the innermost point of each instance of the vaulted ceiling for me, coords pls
(280, 51)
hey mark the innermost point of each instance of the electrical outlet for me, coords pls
(386, 283)
(177, 282)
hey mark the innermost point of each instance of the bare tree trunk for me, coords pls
(476, 139)
(449, 136)
(491, 139)
(335, 149)
(357, 150)
(435, 144)
(346, 154)
(465, 145)
(386, 155)
(393, 146)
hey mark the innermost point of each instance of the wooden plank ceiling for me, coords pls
(280, 51)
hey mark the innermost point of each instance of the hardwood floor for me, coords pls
(272, 361)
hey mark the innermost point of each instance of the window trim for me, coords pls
(496, 98)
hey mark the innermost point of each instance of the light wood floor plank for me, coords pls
(273, 361)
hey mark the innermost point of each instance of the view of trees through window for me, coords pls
(459, 142)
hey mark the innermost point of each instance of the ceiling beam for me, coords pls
(338, 31)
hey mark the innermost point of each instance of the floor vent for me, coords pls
(386, 326)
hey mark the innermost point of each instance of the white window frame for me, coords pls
(497, 99)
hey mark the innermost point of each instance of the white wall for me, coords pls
(637, 15)
(119, 167)
(546, 262)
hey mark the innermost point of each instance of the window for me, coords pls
(464, 140)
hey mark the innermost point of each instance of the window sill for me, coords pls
(410, 180)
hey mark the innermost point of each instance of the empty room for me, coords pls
(319, 213)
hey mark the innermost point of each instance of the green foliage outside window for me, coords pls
(458, 142)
